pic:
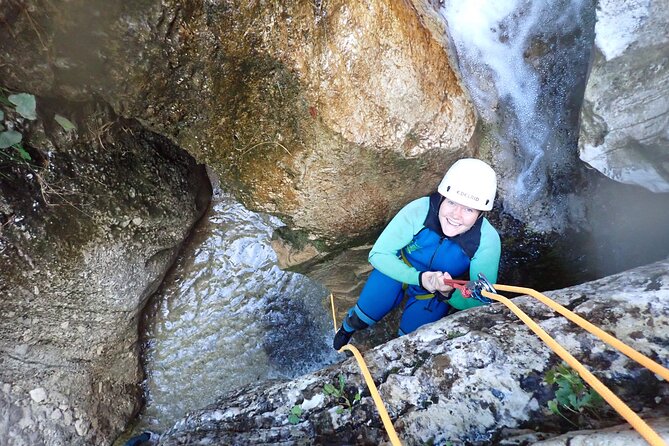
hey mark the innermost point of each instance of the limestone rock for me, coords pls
(623, 435)
(469, 378)
(38, 395)
(318, 111)
(625, 118)
(73, 279)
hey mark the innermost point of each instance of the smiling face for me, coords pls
(456, 219)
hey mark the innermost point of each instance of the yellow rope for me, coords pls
(390, 429)
(637, 423)
(601, 334)
(632, 418)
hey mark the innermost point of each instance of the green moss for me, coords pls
(454, 334)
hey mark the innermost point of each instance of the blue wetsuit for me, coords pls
(413, 242)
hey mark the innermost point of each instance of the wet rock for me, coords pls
(473, 388)
(71, 284)
(624, 117)
(298, 106)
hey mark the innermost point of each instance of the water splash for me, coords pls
(524, 63)
(228, 316)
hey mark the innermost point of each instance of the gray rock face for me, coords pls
(87, 233)
(623, 435)
(468, 378)
(625, 118)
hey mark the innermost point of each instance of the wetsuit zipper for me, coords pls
(429, 266)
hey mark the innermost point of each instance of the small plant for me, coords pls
(572, 393)
(25, 105)
(453, 335)
(295, 414)
(340, 393)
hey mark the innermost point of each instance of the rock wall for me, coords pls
(473, 378)
(625, 117)
(623, 435)
(88, 228)
(300, 107)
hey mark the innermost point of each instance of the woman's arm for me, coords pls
(399, 233)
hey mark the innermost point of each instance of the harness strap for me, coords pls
(406, 286)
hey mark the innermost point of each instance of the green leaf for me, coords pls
(357, 397)
(65, 123)
(22, 152)
(342, 382)
(9, 138)
(25, 105)
(329, 389)
(293, 419)
(562, 395)
(574, 402)
(340, 410)
(296, 410)
(553, 407)
(585, 402)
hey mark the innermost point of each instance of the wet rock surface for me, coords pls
(469, 378)
(298, 106)
(625, 116)
(88, 229)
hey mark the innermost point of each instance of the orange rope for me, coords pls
(385, 418)
(632, 418)
(601, 334)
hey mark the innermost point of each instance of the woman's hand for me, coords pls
(443, 288)
(430, 280)
(434, 281)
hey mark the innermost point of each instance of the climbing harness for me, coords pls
(487, 290)
(390, 429)
(481, 289)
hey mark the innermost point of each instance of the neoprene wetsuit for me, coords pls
(413, 242)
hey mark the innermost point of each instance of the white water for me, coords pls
(228, 316)
(520, 66)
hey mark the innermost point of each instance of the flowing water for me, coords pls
(227, 316)
(524, 63)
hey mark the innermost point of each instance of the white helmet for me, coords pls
(470, 182)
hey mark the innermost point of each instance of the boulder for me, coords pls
(622, 435)
(625, 116)
(469, 378)
(318, 112)
(88, 229)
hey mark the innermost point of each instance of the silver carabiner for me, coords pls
(483, 284)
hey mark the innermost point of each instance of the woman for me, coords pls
(442, 236)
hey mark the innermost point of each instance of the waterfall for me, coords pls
(524, 64)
